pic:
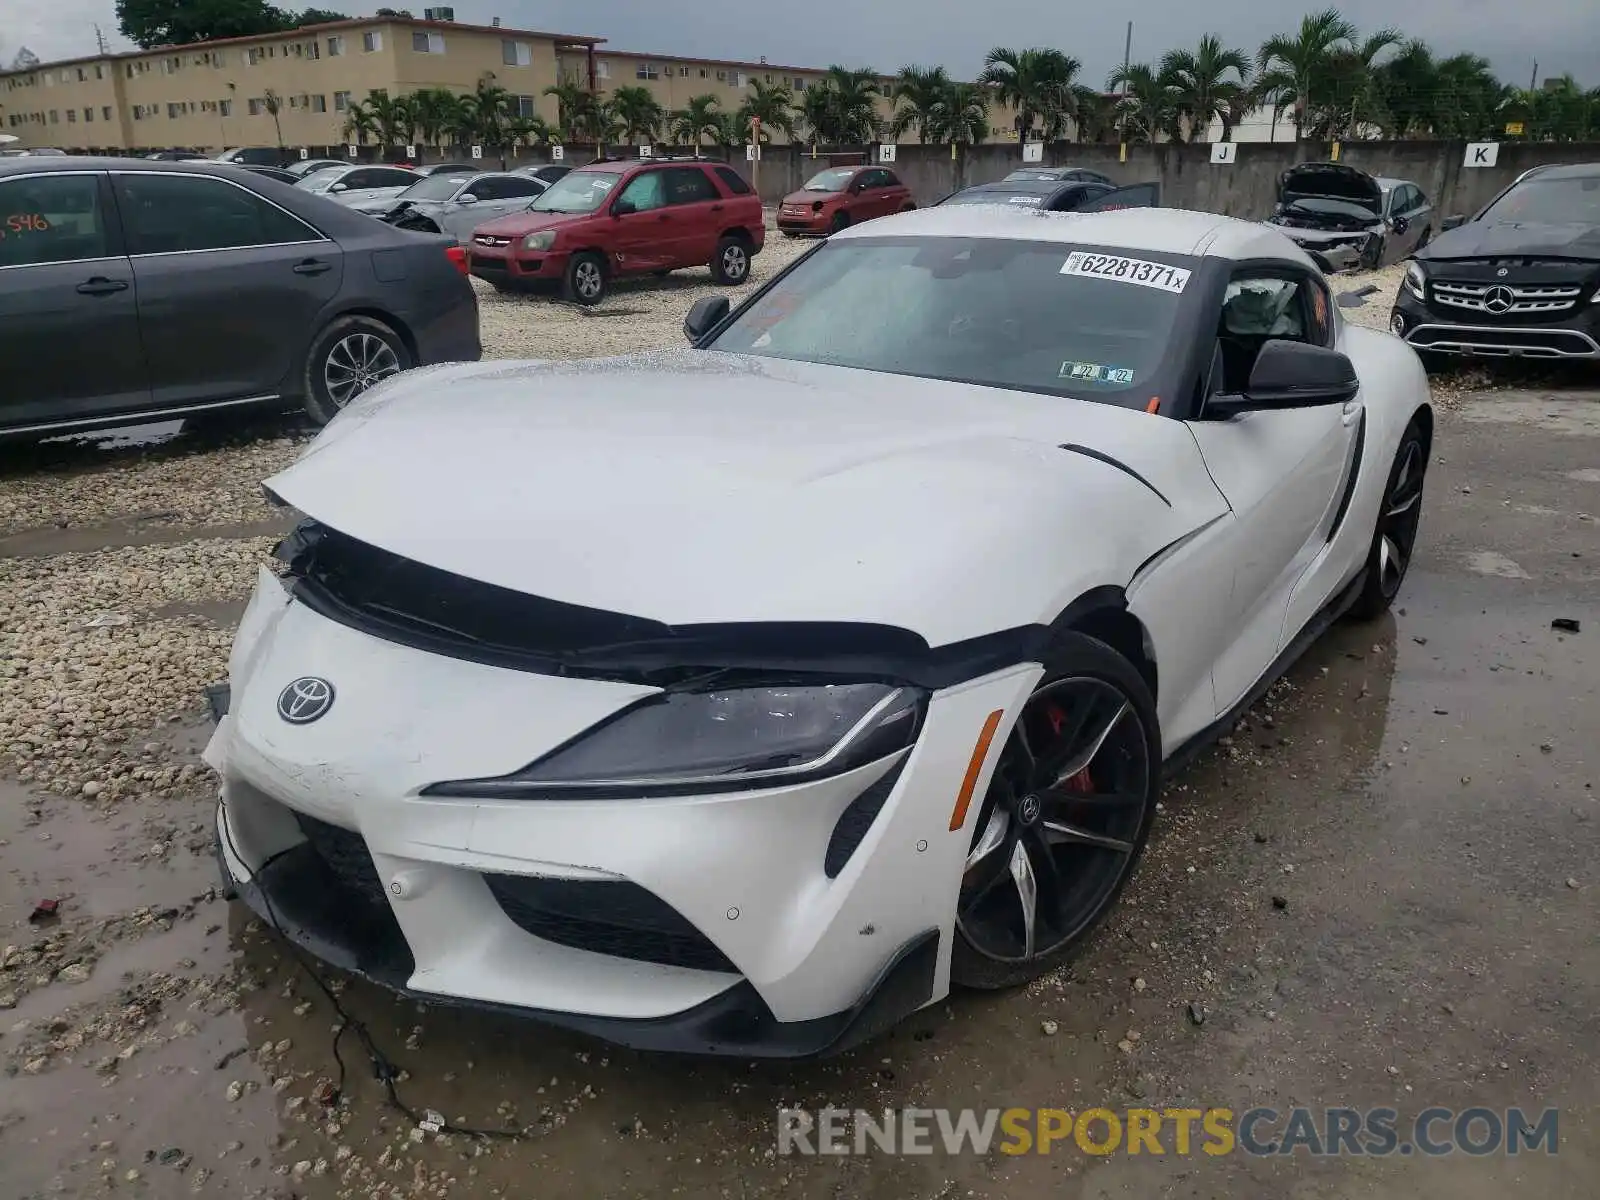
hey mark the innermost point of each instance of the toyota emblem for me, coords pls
(305, 700)
(1499, 299)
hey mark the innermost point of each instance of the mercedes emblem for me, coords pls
(1499, 299)
(1028, 809)
(305, 700)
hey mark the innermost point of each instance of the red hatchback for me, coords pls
(612, 219)
(842, 196)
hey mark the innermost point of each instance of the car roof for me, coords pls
(1566, 171)
(1161, 230)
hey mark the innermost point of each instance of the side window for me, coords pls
(733, 181)
(51, 219)
(644, 191)
(689, 185)
(888, 179)
(163, 214)
(1256, 308)
(513, 186)
(393, 178)
(489, 187)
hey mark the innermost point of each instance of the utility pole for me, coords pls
(1127, 59)
(1533, 82)
(100, 40)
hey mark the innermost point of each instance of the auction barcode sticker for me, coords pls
(1126, 270)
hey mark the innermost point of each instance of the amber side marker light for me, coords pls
(1154, 405)
(974, 768)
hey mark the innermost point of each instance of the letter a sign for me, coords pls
(1482, 154)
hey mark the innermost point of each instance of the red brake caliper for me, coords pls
(1079, 783)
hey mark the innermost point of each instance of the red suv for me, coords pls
(611, 219)
(842, 196)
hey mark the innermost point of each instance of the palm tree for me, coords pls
(1149, 105)
(1200, 83)
(695, 120)
(961, 115)
(359, 123)
(273, 103)
(529, 131)
(842, 107)
(773, 105)
(391, 115)
(433, 112)
(1290, 68)
(1096, 119)
(919, 93)
(486, 115)
(731, 130)
(577, 110)
(1037, 84)
(638, 113)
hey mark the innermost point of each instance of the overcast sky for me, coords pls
(1562, 35)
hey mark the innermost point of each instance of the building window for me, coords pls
(225, 108)
(335, 47)
(767, 78)
(427, 43)
(170, 66)
(602, 70)
(88, 115)
(256, 106)
(72, 116)
(516, 54)
(319, 104)
(252, 56)
(341, 102)
(55, 117)
(294, 101)
(174, 109)
(217, 59)
(105, 112)
(705, 72)
(372, 41)
(99, 71)
(683, 72)
(744, 80)
(647, 71)
(82, 75)
(525, 106)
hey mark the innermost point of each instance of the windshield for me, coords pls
(1036, 173)
(1550, 202)
(434, 187)
(835, 180)
(997, 196)
(320, 181)
(576, 192)
(1035, 316)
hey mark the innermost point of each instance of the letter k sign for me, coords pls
(1483, 154)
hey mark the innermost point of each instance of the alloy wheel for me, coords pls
(587, 281)
(1402, 511)
(1060, 823)
(735, 263)
(355, 363)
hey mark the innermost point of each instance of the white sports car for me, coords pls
(746, 698)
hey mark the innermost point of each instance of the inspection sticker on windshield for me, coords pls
(1096, 373)
(1126, 270)
(1033, 200)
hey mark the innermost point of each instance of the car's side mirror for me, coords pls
(623, 207)
(1291, 375)
(469, 198)
(705, 316)
(1401, 224)
(340, 187)
(1455, 222)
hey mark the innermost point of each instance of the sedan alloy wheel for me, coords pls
(355, 363)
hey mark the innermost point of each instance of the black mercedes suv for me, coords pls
(1522, 278)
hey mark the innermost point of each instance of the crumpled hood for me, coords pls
(1492, 239)
(696, 486)
(1330, 181)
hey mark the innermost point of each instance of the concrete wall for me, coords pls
(1245, 188)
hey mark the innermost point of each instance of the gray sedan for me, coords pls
(133, 290)
(455, 204)
(348, 185)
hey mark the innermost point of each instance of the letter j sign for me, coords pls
(1482, 154)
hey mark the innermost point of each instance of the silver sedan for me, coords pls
(456, 204)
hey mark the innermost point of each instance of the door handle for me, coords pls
(311, 266)
(716, 208)
(99, 285)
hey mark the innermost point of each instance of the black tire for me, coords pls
(730, 263)
(840, 221)
(1128, 750)
(1395, 534)
(585, 279)
(346, 358)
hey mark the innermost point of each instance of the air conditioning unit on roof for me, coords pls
(438, 14)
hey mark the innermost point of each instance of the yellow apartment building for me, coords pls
(214, 95)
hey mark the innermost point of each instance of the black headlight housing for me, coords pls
(692, 742)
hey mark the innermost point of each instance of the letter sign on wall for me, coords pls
(886, 152)
(1224, 153)
(557, 153)
(1482, 154)
(477, 152)
(1033, 152)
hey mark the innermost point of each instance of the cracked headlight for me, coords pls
(733, 739)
